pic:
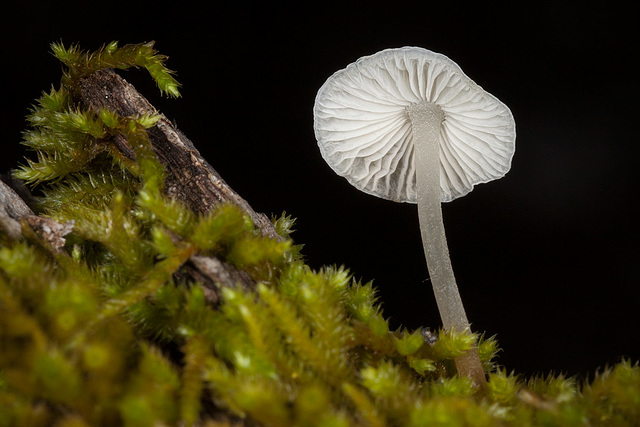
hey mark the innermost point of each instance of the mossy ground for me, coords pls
(104, 333)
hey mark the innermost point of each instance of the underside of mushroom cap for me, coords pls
(364, 132)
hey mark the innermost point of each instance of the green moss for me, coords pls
(80, 63)
(106, 333)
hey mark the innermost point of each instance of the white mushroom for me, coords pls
(409, 126)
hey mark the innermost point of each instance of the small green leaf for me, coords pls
(109, 118)
(451, 344)
(408, 344)
(162, 242)
(422, 366)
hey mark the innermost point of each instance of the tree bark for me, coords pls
(189, 179)
(14, 211)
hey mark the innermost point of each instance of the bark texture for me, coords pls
(15, 213)
(189, 179)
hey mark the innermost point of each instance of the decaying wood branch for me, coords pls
(14, 211)
(189, 179)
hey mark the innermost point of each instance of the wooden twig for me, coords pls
(190, 178)
(14, 212)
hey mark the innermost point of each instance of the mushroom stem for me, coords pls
(426, 122)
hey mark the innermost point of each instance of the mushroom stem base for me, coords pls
(426, 122)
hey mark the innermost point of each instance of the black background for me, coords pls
(546, 258)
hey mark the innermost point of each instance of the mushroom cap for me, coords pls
(365, 135)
